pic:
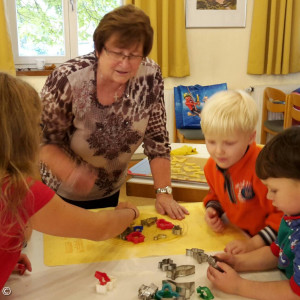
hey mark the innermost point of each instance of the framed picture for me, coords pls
(215, 13)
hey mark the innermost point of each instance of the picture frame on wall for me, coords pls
(215, 13)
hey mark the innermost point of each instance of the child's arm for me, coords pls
(257, 260)
(230, 282)
(213, 207)
(63, 219)
(273, 215)
(242, 246)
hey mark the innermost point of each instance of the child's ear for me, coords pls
(252, 137)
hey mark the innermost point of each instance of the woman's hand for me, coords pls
(213, 220)
(166, 205)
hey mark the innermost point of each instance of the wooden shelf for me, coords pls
(34, 72)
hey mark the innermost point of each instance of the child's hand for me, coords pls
(227, 281)
(213, 220)
(237, 247)
(23, 264)
(240, 246)
(126, 205)
(227, 258)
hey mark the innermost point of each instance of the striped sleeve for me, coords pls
(268, 234)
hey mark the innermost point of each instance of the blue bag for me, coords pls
(189, 101)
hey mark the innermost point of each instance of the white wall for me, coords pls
(36, 81)
(219, 55)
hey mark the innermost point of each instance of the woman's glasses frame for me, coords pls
(119, 56)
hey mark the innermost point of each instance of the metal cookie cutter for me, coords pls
(147, 292)
(212, 260)
(127, 231)
(196, 253)
(159, 236)
(177, 230)
(180, 271)
(203, 257)
(148, 222)
(166, 264)
(184, 289)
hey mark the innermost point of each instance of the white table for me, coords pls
(77, 281)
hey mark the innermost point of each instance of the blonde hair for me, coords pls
(228, 111)
(20, 110)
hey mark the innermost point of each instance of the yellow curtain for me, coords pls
(275, 37)
(6, 55)
(169, 46)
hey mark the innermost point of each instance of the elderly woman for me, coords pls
(98, 109)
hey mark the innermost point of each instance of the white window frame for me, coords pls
(70, 34)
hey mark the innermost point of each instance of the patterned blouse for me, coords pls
(103, 136)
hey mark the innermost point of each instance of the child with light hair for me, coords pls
(278, 166)
(25, 202)
(228, 121)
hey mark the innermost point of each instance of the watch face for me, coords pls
(169, 190)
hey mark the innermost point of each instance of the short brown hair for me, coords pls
(131, 25)
(280, 157)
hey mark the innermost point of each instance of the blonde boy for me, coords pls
(278, 166)
(228, 121)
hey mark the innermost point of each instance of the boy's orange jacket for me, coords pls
(242, 196)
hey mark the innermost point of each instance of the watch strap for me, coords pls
(164, 190)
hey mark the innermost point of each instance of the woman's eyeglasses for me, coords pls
(119, 56)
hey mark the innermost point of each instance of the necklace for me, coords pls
(108, 92)
(116, 95)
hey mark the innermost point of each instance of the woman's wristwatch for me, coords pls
(165, 190)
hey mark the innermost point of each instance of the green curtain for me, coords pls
(6, 55)
(170, 46)
(275, 37)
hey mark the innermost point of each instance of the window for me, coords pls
(55, 30)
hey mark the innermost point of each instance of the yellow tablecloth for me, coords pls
(196, 234)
